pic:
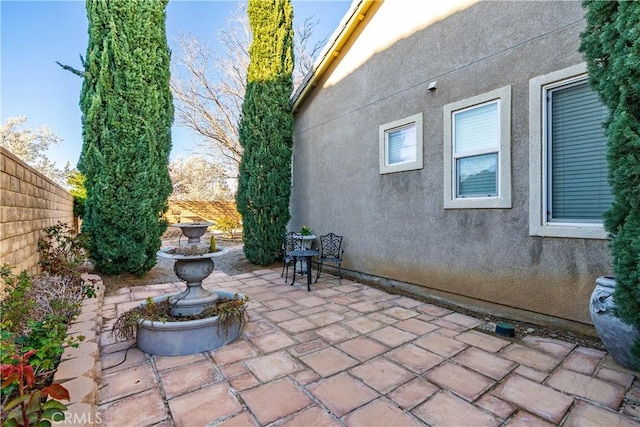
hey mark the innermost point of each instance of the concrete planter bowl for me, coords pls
(193, 230)
(185, 337)
(617, 336)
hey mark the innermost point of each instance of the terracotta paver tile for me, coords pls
(551, 346)
(127, 382)
(413, 393)
(623, 378)
(400, 313)
(346, 288)
(328, 361)
(533, 397)
(275, 400)
(485, 363)
(363, 325)
(168, 362)
(532, 374)
(241, 420)
(257, 328)
(529, 357)
(335, 333)
(280, 315)
(588, 387)
(462, 319)
(276, 304)
(363, 348)
(415, 358)
(243, 382)
(295, 326)
(311, 301)
(415, 326)
(583, 360)
(382, 318)
(364, 307)
(313, 416)
(440, 344)
(584, 413)
(305, 377)
(445, 324)
(308, 311)
(305, 336)
(380, 413)
(117, 361)
(326, 293)
(496, 406)
(233, 370)
(391, 336)
(445, 409)
(433, 310)
(464, 382)
(381, 374)
(272, 366)
(342, 300)
(525, 419)
(187, 378)
(342, 393)
(272, 342)
(325, 318)
(632, 411)
(407, 302)
(146, 408)
(484, 341)
(307, 347)
(235, 352)
(204, 406)
(265, 296)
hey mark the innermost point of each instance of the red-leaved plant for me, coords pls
(28, 408)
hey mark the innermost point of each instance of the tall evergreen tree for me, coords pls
(266, 131)
(127, 115)
(611, 46)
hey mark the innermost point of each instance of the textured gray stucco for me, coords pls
(395, 225)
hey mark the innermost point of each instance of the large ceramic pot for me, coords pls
(617, 336)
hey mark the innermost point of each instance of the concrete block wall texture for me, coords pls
(29, 202)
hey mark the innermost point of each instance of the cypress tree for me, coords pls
(611, 46)
(266, 131)
(126, 124)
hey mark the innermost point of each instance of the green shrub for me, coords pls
(228, 225)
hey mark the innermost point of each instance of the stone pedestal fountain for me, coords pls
(188, 336)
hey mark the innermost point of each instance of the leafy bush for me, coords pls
(228, 225)
(30, 406)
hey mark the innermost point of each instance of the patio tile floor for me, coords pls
(351, 355)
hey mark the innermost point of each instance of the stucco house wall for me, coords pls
(397, 229)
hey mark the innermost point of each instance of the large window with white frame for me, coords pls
(401, 145)
(570, 191)
(477, 151)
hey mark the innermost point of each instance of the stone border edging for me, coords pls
(79, 370)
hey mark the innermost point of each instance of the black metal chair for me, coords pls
(330, 251)
(290, 241)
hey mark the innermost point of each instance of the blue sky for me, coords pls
(36, 34)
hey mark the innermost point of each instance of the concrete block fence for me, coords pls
(29, 203)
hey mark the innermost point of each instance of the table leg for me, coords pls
(294, 271)
(308, 273)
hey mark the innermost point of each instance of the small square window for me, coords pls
(401, 145)
(477, 151)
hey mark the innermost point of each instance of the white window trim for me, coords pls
(417, 164)
(503, 199)
(538, 226)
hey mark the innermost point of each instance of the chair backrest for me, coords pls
(330, 245)
(289, 242)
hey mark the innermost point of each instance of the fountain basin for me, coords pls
(185, 337)
(193, 230)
